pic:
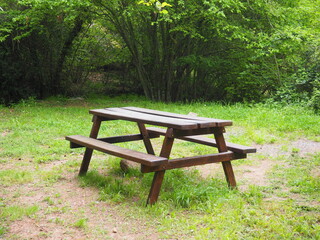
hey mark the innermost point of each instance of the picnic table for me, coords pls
(184, 127)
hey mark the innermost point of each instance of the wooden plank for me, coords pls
(227, 166)
(170, 120)
(192, 132)
(194, 161)
(96, 123)
(207, 141)
(146, 138)
(158, 176)
(143, 158)
(119, 139)
(202, 121)
(122, 114)
(155, 187)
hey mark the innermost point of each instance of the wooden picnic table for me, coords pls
(185, 127)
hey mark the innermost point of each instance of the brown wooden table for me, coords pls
(185, 127)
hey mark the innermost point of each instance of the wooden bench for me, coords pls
(139, 157)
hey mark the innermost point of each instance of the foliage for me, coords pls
(303, 89)
(170, 50)
(99, 63)
(217, 50)
(36, 36)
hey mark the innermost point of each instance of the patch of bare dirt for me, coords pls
(270, 150)
(209, 170)
(5, 133)
(256, 173)
(315, 173)
(29, 228)
(306, 146)
(62, 205)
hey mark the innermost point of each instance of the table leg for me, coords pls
(88, 152)
(227, 167)
(146, 139)
(158, 176)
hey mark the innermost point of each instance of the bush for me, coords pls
(35, 39)
(315, 98)
(304, 89)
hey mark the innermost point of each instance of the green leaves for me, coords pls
(157, 5)
(243, 49)
(35, 38)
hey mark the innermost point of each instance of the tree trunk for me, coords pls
(56, 81)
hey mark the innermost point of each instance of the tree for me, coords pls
(218, 49)
(36, 36)
(181, 50)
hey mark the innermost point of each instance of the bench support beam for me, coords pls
(88, 153)
(158, 176)
(146, 138)
(205, 141)
(227, 166)
(194, 161)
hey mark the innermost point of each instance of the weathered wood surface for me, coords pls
(153, 117)
(143, 158)
(194, 161)
(96, 123)
(206, 141)
(146, 138)
(159, 175)
(120, 139)
(202, 121)
(227, 166)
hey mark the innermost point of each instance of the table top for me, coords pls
(159, 118)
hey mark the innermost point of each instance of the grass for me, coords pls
(81, 223)
(13, 213)
(34, 154)
(13, 176)
(298, 177)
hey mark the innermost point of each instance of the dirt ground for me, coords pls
(256, 173)
(66, 208)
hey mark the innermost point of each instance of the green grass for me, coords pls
(14, 176)
(14, 212)
(190, 206)
(44, 124)
(81, 223)
(297, 175)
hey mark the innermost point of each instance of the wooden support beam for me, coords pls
(227, 166)
(177, 133)
(206, 141)
(194, 161)
(96, 123)
(158, 176)
(119, 139)
(146, 138)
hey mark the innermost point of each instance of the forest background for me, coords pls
(213, 50)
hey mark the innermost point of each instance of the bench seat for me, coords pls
(206, 141)
(139, 157)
